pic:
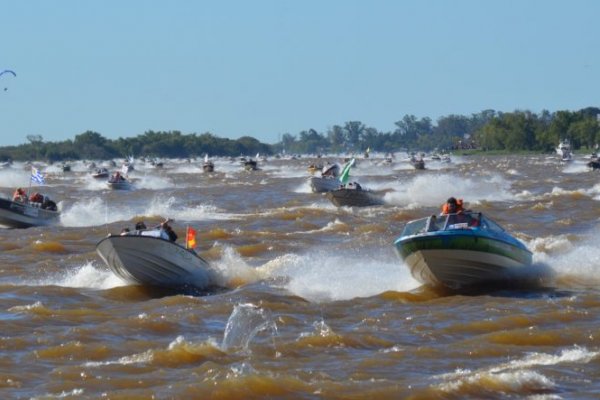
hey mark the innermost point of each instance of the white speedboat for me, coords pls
(328, 180)
(15, 214)
(462, 250)
(154, 261)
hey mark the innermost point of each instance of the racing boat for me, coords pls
(145, 259)
(353, 195)
(462, 250)
(16, 214)
(118, 182)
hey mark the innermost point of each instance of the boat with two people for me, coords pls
(151, 257)
(118, 181)
(463, 250)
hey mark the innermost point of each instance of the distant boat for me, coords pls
(564, 150)
(100, 173)
(118, 182)
(417, 163)
(250, 165)
(208, 166)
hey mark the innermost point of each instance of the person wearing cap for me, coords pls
(453, 206)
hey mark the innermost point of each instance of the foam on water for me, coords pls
(322, 276)
(427, 190)
(12, 178)
(576, 257)
(97, 211)
(88, 275)
(514, 375)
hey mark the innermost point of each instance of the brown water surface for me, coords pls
(315, 302)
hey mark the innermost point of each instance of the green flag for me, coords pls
(345, 175)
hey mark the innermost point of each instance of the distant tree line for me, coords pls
(486, 130)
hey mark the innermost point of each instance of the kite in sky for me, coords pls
(10, 72)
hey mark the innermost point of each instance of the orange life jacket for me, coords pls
(36, 198)
(459, 207)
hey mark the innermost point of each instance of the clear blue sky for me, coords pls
(267, 67)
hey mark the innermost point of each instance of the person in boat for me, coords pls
(166, 228)
(20, 195)
(456, 206)
(140, 226)
(36, 198)
(117, 177)
(453, 206)
(48, 204)
(163, 231)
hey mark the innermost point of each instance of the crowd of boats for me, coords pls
(456, 249)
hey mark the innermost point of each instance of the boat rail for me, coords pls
(450, 222)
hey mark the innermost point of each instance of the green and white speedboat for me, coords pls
(461, 250)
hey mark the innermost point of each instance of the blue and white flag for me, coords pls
(36, 176)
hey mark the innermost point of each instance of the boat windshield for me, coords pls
(450, 222)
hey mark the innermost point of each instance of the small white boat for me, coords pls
(154, 261)
(564, 150)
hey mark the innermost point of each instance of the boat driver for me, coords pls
(453, 206)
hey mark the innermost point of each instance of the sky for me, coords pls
(264, 68)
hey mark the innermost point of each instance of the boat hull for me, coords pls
(20, 215)
(464, 259)
(152, 261)
(354, 198)
(123, 185)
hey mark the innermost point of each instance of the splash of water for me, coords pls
(244, 323)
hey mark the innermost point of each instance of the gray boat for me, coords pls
(118, 182)
(354, 198)
(154, 261)
(15, 214)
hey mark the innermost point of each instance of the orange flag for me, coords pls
(190, 238)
